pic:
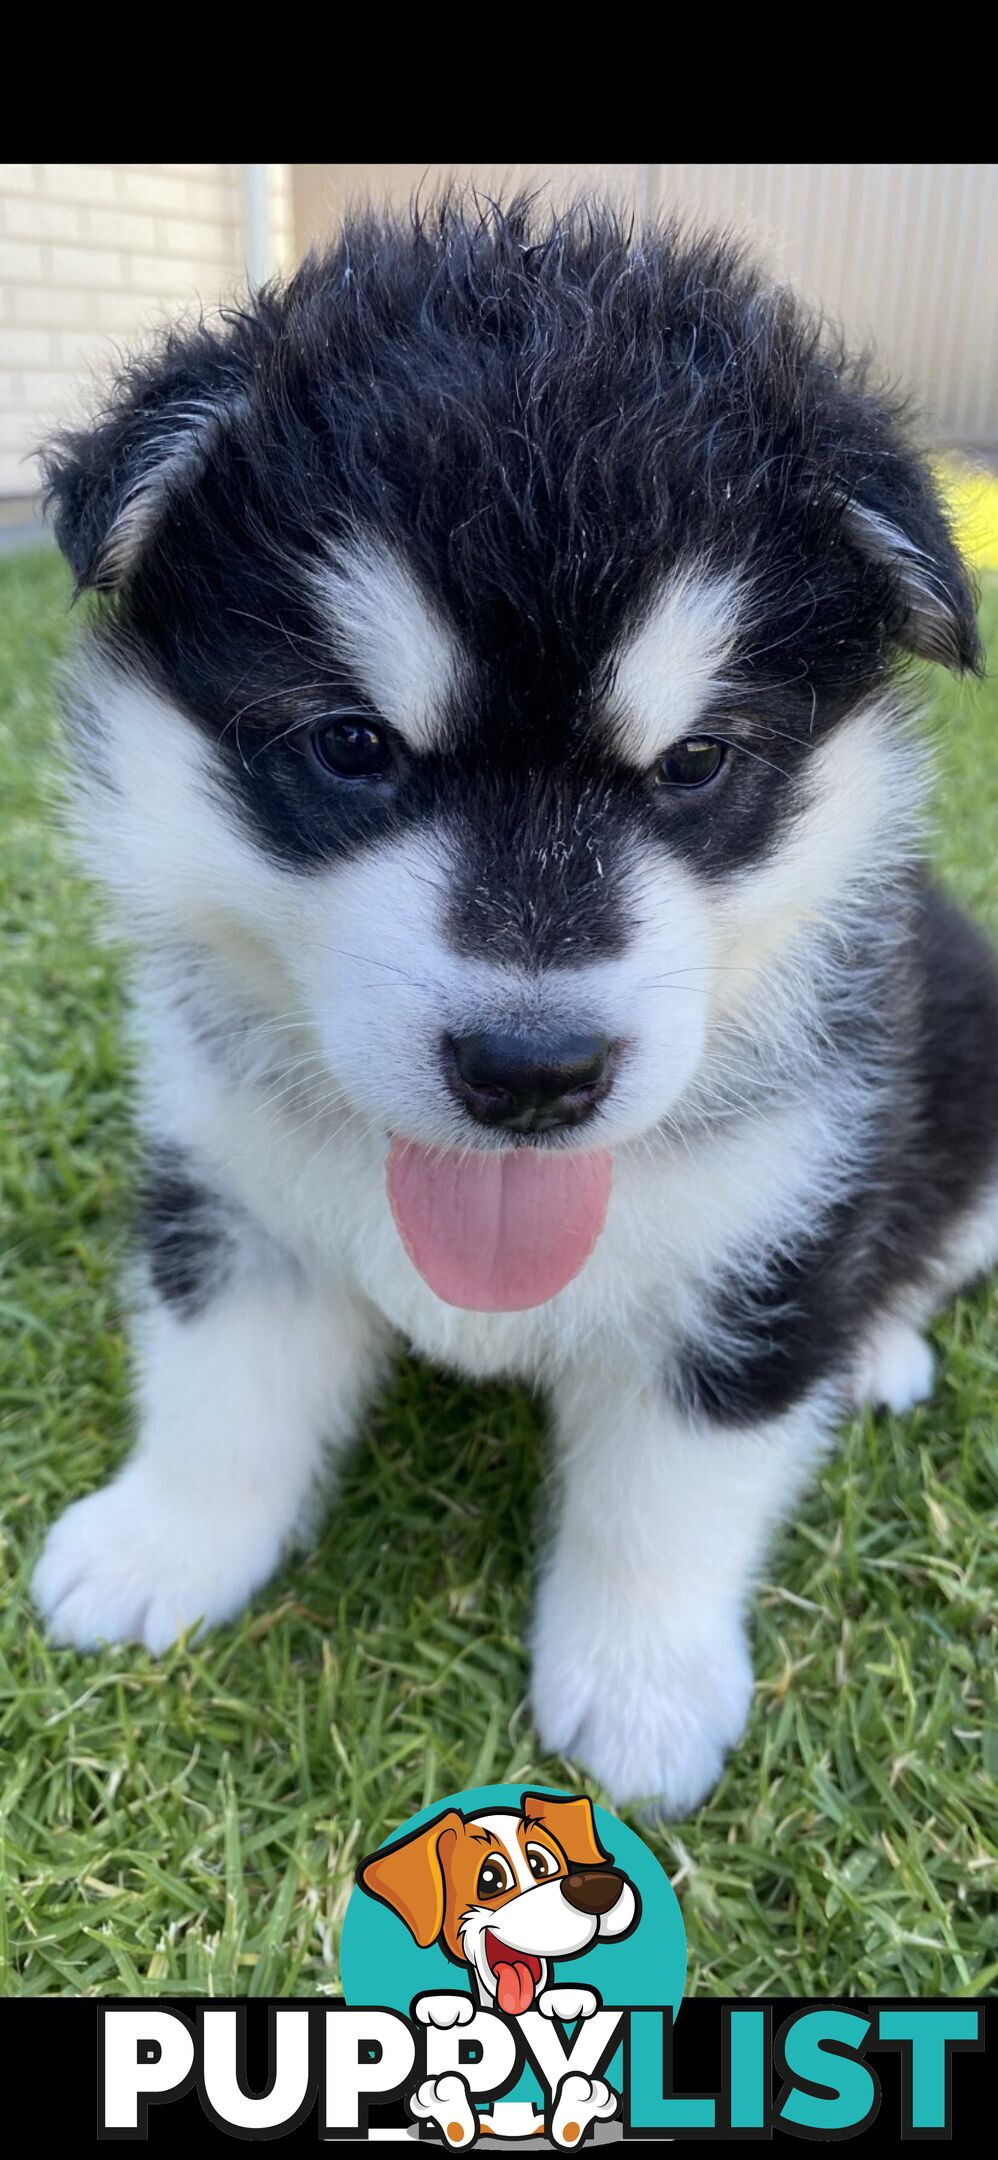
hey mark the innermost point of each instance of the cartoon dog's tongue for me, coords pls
(517, 1975)
(500, 1231)
(514, 1987)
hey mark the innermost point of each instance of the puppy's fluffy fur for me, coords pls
(540, 505)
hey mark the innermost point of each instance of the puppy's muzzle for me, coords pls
(592, 1890)
(529, 1083)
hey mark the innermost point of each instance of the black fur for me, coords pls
(187, 1232)
(931, 1034)
(542, 418)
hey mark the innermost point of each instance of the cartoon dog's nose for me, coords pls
(592, 1890)
(529, 1082)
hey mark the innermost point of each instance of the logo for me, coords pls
(501, 1922)
(514, 1961)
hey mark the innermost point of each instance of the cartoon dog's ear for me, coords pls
(571, 1823)
(109, 486)
(410, 1876)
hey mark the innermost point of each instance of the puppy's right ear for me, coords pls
(109, 487)
(935, 602)
(409, 1877)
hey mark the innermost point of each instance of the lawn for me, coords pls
(190, 1824)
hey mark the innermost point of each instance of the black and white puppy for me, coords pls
(491, 732)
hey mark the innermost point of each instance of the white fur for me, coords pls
(895, 1368)
(237, 1412)
(390, 636)
(970, 1251)
(673, 662)
(867, 779)
(641, 1665)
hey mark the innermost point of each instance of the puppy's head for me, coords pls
(506, 1892)
(495, 665)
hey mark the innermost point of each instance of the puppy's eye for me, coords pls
(351, 747)
(690, 764)
(541, 1862)
(494, 1877)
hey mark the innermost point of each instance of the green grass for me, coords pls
(190, 1823)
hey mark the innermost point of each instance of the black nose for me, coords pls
(529, 1082)
(592, 1890)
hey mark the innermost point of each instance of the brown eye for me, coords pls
(351, 747)
(493, 1877)
(690, 764)
(541, 1862)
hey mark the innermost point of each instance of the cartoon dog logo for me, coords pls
(507, 1894)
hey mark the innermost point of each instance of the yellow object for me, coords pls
(971, 497)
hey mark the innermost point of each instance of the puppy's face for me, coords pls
(495, 673)
(506, 1893)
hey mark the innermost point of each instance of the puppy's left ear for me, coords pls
(896, 522)
(573, 1825)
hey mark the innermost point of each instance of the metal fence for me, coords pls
(903, 255)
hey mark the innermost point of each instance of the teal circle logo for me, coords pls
(505, 1892)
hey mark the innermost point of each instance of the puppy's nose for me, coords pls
(592, 1890)
(529, 1082)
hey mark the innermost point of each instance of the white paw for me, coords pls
(895, 1368)
(649, 1705)
(445, 2102)
(568, 2003)
(581, 2101)
(444, 2011)
(136, 1563)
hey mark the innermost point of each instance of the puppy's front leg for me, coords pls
(238, 1407)
(641, 1661)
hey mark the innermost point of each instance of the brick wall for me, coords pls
(91, 258)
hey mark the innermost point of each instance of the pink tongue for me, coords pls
(497, 1232)
(515, 1988)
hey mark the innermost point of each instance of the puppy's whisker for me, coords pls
(306, 1076)
(252, 1028)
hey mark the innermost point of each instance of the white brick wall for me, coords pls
(92, 258)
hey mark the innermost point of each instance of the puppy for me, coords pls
(493, 733)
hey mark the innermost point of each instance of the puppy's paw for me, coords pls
(581, 2100)
(445, 2102)
(568, 2003)
(649, 1707)
(443, 2011)
(895, 1369)
(139, 1562)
